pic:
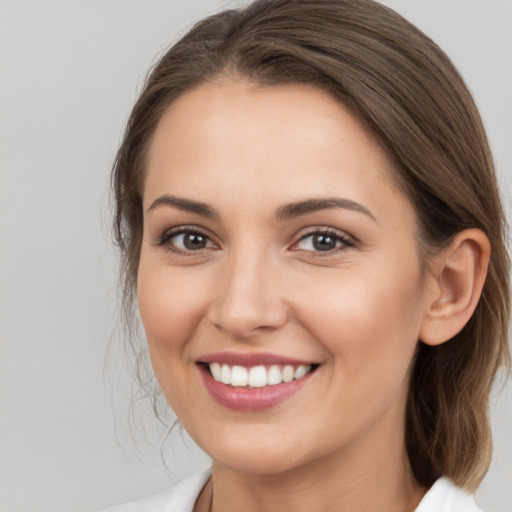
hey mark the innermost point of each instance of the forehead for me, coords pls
(229, 111)
(263, 141)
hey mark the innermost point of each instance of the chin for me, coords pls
(258, 455)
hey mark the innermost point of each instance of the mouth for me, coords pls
(258, 376)
(249, 382)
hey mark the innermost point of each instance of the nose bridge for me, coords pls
(249, 298)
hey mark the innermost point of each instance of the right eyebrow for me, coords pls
(187, 205)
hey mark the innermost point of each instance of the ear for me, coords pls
(455, 285)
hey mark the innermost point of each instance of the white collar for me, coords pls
(444, 496)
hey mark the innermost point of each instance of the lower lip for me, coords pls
(250, 399)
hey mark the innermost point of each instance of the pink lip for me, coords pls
(247, 360)
(249, 399)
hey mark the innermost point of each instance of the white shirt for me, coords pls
(443, 496)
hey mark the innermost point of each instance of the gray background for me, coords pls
(69, 73)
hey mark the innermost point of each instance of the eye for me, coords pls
(323, 241)
(185, 240)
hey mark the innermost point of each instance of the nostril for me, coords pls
(243, 322)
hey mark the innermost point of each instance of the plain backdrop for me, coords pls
(69, 73)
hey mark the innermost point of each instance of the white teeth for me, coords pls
(239, 376)
(274, 375)
(257, 376)
(216, 370)
(288, 372)
(301, 371)
(225, 374)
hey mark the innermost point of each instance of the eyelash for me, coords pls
(165, 240)
(344, 241)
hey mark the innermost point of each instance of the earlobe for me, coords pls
(455, 285)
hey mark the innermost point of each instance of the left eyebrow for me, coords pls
(313, 205)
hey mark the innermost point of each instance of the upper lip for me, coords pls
(248, 359)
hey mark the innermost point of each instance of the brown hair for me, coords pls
(408, 92)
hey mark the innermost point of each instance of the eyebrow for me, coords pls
(285, 212)
(313, 205)
(187, 205)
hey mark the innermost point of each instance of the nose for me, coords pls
(249, 298)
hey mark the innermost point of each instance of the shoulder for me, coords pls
(179, 498)
(444, 496)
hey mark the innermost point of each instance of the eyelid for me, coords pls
(163, 240)
(346, 240)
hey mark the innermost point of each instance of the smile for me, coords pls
(257, 376)
(253, 382)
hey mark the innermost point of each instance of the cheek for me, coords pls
(369, 322)
(171, 308)
(171, 304)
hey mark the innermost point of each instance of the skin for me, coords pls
(259, 285)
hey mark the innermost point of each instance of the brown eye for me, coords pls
(194, 241)
(186, 241)
(323, 242)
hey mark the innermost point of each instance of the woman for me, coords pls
(309, 218)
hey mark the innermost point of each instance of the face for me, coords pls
(280, 284)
